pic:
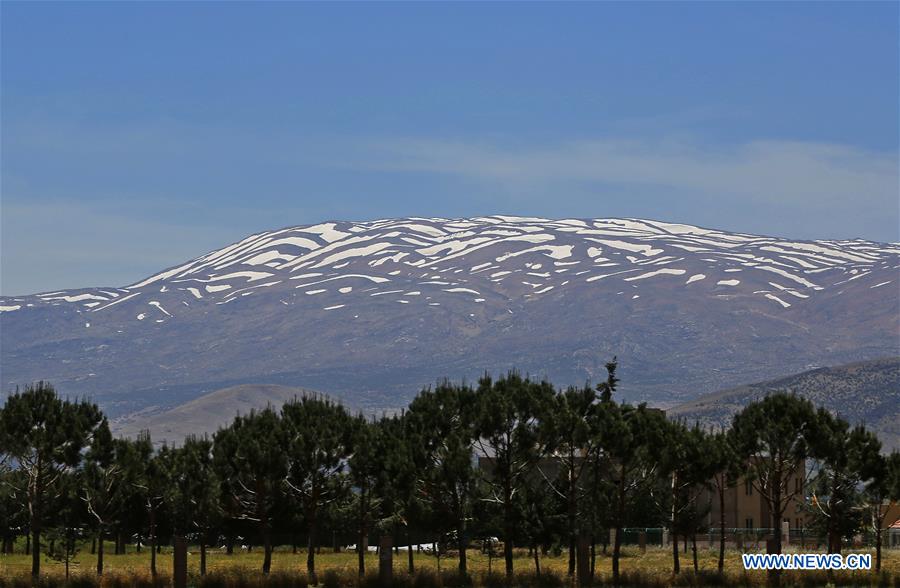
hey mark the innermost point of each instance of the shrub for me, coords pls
(494, 580)
(331, 579)
(701, 578)
(426, 579)
(286, 580)
(455, 579)
(83, 581)
(549, 579)
(213, 580)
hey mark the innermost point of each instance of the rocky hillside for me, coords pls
(865, 392)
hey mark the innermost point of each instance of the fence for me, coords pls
(755, 539)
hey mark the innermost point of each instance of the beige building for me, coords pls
(746, 508)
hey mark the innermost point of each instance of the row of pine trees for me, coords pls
(510, 458)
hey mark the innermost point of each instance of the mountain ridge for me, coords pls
(370, 312)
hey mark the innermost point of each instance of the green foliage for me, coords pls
(512, 458)
(317, 440)
(249, 458)
(774, 437)
(440, 433)
(846, 460)
(509, 412)
(44, 435)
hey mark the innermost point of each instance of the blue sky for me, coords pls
(138, 135)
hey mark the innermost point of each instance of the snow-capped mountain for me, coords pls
(374, 310)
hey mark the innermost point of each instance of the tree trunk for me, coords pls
(311, 551)
(570, 503)
(153, 553)
(722, 525)
(100, 553)
(152, 543)
(877, 527)
(774, 574)
(461, 545)
(361, 546)
(202, 555)
(537, 562)
(267, 550)
(694, 549)
(676, 564)
(617, 552)
(593, 557)
(620, 517)
(410, 562)
(35, 496)
(35, 547)
(776, 517)
(834, 541)
(508, 532)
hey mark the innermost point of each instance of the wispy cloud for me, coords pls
(783, 172)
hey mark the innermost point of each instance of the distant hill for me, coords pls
(205, 415)
(863, 392)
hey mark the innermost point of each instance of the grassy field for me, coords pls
(652, 568)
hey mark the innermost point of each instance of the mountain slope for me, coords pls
(372, 311)
(864, 392)
(205, 415)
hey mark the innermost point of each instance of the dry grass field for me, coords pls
(241, 570)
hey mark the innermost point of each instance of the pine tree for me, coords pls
(135, 457)
(773, 437)
(396, 487)
(509, 413)
(44, 436)
(632, 437)
(570, 430)
(317, 439)
(881, 493)
(65, 534)
(441, 429)
(193, 495)
(726, 470)
(149, 477)
(687, 459)
(249, 459)
(103, 486)
(845, 460)
(365, 469)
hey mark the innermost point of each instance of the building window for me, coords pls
(798, 523)
(748, 523)
(748, 488)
